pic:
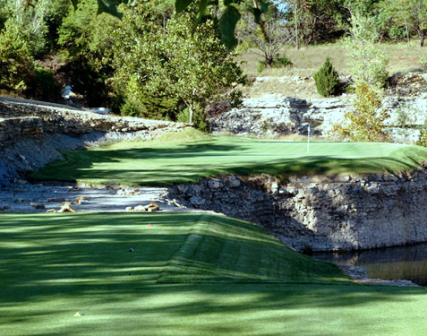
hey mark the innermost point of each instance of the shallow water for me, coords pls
(392, 263)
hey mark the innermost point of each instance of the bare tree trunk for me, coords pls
(296, 25)
(421, 36)
(191, 119)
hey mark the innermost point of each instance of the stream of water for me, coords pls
(392, 263)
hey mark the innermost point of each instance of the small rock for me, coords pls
(214, 184)
(235, 182)
(128, 209)
(140, 208)
(112, 185)
(80, 200)
(66, 207)
(197, 201)
(37, 206)
(51, 211)
(56, 199)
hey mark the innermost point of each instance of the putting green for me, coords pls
(177, 159)
(188, 274)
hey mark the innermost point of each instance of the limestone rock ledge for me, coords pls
(321, 213)
(32, 134)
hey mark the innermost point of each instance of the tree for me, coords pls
(366, 121)
(327, 79)
(271, 40)
(227, 23)
(366, 61)
(410, 14)
(172, 61)
(34, 18)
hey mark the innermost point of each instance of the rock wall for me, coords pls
(33, 134)
(275, 116)
(321, 213)
(24, 119)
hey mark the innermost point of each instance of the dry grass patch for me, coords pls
(402, 58)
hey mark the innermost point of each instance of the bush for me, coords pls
(150, 107)
(199, 119)
(366, 121)
(422, 138)
(16, 62)
(45, 86)
(327, 79)
(279, 62)
(367, 62)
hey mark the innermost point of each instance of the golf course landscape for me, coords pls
(181, 274)
(191, 273)
(192, 155)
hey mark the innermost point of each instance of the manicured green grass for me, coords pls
(189, 274)
(172, 160)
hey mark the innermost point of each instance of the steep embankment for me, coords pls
(33, 134)
(321, 213)
(343, 196)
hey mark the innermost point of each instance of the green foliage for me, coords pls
(151, 107)
(409, 16)
(16, 61)
(199, 122)
(366, 121)
(422, 138)
(227, 23)
(86, 44)
(366, 61)
(45, 87)
(171, 61)
(327, 79)
(278, 62)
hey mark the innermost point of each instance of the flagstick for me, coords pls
(308, 140)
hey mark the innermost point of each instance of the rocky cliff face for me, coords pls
(32, 135)
(321, 213)
(273, 116)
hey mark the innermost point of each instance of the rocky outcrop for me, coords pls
(278, 116)
(33, 134)
(20, 119)
(321, 213)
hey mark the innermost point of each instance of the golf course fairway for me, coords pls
(181, 274)
(190, 155)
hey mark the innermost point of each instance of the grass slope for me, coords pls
(190, 274)
(176, 160)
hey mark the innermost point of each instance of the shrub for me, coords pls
(16, 61)
(367, 62)
(422, 138)
(199, 119)
(366, 121)
(327, 79)
(45, 86)
(281, 62)
(278, 62)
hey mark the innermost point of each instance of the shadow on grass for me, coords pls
(214, 274)
(192, 162)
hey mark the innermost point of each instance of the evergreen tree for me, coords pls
(327, 79)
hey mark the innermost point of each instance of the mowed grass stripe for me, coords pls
(89, 248)
(64, 274)
(165, 162)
